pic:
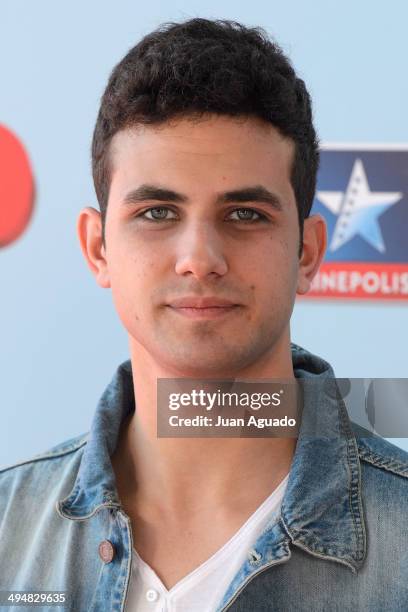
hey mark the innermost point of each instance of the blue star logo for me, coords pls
(358, 210)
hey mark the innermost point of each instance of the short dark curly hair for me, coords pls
(203, 66)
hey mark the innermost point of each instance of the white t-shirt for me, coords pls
(203, 588)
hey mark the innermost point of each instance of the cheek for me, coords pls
(280, 271)
(137, 283)
(128, 285)
(131, 264)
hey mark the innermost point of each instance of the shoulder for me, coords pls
(42, 474)
(384, 484)
(63, 448)
(60, 450)
(384, 500)
(381, 454)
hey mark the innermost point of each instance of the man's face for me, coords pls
(194, 242)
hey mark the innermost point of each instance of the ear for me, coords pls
(314, 247)
(89, 230)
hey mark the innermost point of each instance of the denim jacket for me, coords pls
(341, 541)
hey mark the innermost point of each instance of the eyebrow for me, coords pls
(255, 193)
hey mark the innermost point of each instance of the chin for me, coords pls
(199, 365)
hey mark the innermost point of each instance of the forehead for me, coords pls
(220, 147)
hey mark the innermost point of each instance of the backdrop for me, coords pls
(61, 339)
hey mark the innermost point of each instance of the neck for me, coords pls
(171, 474)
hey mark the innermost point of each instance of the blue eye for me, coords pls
(245, 214)
(161, 213)
(158, 213)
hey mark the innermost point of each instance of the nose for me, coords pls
(200, 252)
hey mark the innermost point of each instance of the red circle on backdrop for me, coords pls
(16, 187)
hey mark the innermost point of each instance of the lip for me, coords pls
(203, 308)
(201, 302)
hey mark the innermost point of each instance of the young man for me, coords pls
(204, 162)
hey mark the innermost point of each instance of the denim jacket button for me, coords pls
(106, 551)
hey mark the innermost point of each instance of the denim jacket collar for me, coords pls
(321, 509)
(95, 486)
